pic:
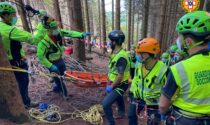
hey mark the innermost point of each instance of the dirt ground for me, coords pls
(81, 98)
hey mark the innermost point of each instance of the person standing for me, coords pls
(119, 73)
(150, 76)
(186, 92)
(50, 52)
(12, 38)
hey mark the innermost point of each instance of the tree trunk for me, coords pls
(129, 24)
(145, 19)
(168, 29)
(117, 15)
(161, 19)
(57, 12)
(112, 14)
(137, 28)
(11, 105)
(90, 11)
(23, 16)
(172, 26)
(76, 21)
(207, 5)
(87, 22)
(165, 25)
(83, 15)
(94, 12)
(99, 22)
(201, 7)
(132, 20)
(103, 25)
(152, 18)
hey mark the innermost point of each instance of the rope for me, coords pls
(42, 74)
(91, 115)
(43, 116)
(39, 73)
(53, 115)
(14, 69)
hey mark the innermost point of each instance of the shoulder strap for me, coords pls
(161, 74)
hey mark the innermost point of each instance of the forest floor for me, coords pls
(81, 98)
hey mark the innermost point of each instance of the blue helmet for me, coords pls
(117, 36)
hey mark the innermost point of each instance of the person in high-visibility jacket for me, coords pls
(150, 76)
(172, 51)
(50, 52)
(11, 39)
(119, 73)
(188, 84)
(165, 57)
(42, 13)
(41, 29)
(179, 55)
(132, 59)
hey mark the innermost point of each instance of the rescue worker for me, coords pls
(12, 38)
(119, 73)
(40, 31)
(132, 59)
(188, 83)
(41, 14)
(150, 75)
(179, 55)
(50, 52)
(172, 51)
(165, 57)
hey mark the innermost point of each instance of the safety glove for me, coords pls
(54, 69)
(108, 88)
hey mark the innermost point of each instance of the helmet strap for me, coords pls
(186, 47)
(196, 44)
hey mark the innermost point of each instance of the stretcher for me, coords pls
(87, 79)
